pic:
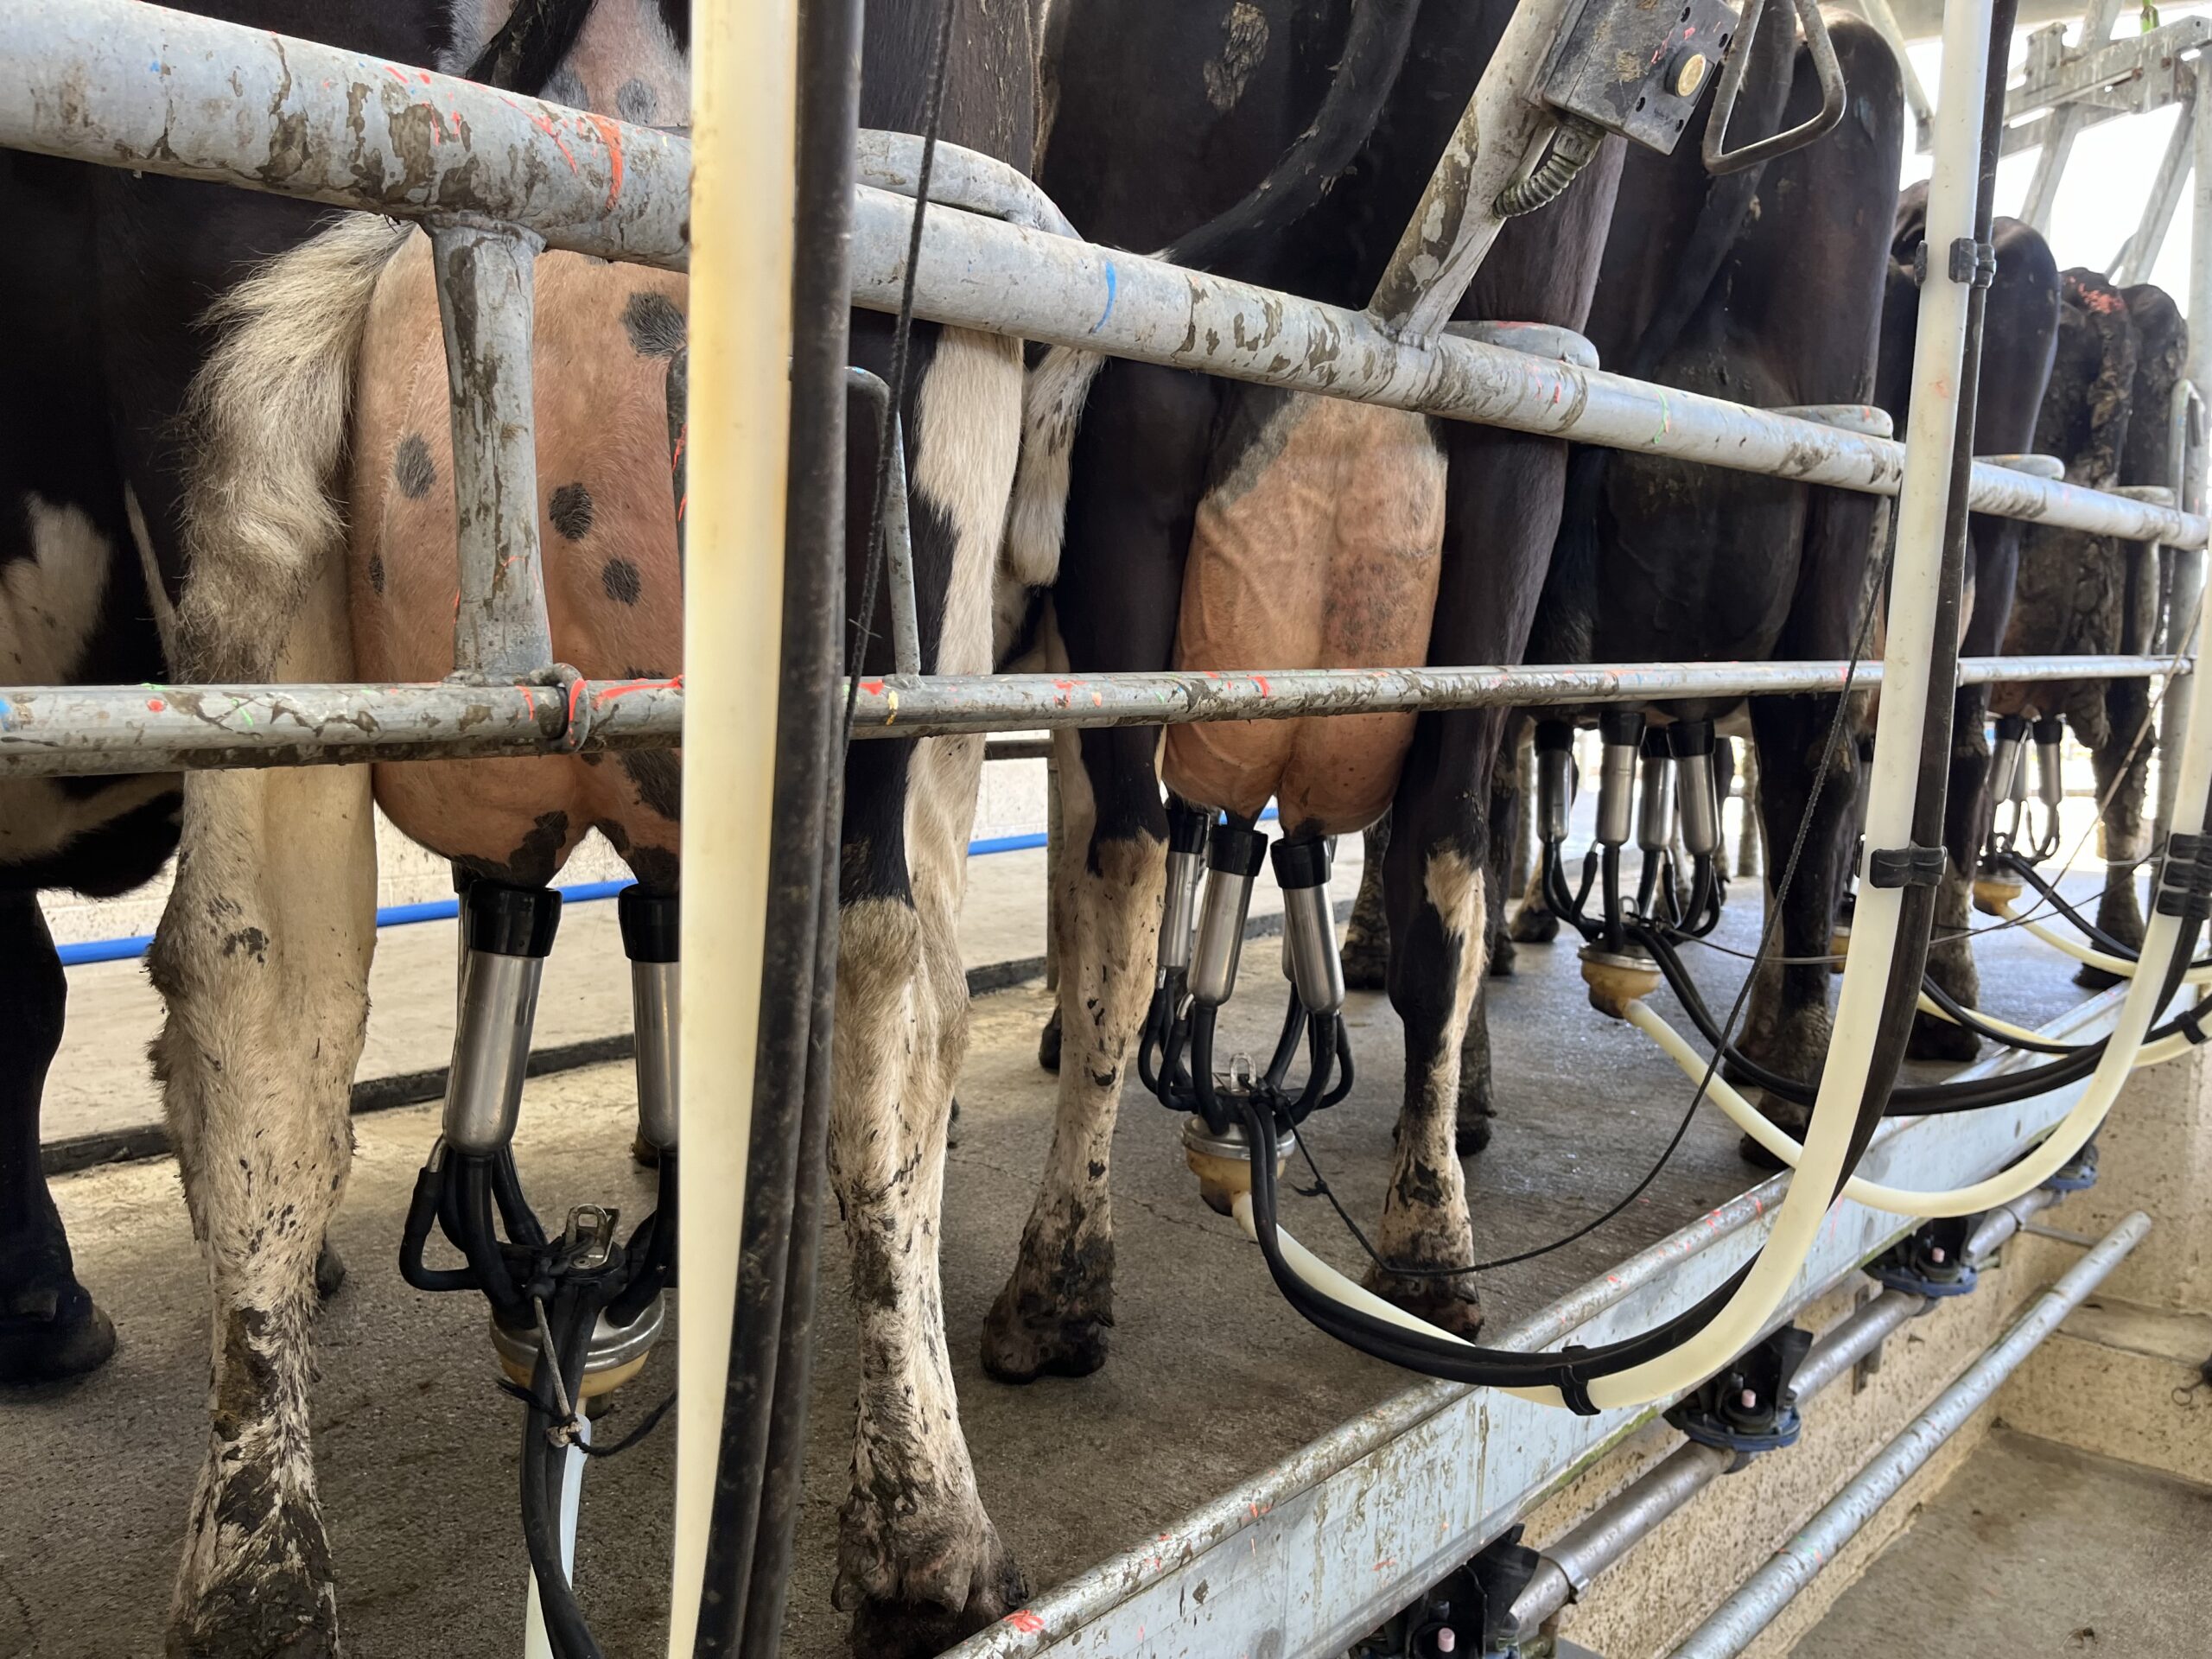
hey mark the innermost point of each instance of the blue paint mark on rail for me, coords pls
(1113, 287)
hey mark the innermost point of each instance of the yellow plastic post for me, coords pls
(744, 97)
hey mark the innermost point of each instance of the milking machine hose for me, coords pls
(2090, 931)
(571, 1318)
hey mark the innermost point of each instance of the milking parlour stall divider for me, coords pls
(496, 178)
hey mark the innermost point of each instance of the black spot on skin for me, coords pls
(656, 326)
(412, 469)
(376, 572)
(531, 864)
(658, 776)
(1098, 1170)
(570, 512)
(637, 102)
(251, 940)
(619, 578)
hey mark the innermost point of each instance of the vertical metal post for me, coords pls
(1054, 852)
(485, 305)
(1450, 232)
(744, 90)
(2063, 122)
(2183, 605)
(2142, 249)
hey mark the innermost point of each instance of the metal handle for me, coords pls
(1719, 161)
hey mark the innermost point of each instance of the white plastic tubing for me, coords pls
(1922, 509)
(1930, 436)
(744, 81)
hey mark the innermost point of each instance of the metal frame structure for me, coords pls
(495, 178)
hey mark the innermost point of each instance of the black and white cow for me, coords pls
(1161, 122)
(1763, 287)
(2106, 415)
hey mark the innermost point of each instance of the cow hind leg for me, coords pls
(262, 952)
(2124, 777)
(49, 1327)
(1052, 1316)
(920, 1564)
(1950, 949)
(1789, 1024)
(1367, 937)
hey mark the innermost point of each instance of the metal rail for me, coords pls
(1302, 1559)
(1751, 1609)
(128, 84)
(100, 730)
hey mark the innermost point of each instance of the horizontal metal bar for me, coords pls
(936, 704)
(2146, 64)
(980, 274)
(104, 730)
(1738, 1622)
(135, 85)
(141, 87)
(1304, 1557)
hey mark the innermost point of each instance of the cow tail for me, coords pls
(1375, 51)
(265, 427)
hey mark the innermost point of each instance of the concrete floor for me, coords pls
(416, 1450)
(2035, 1549)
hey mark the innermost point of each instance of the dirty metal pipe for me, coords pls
(485, 291)
(1571, 1563)
(265, 111)
(897, 534)
(1739, 1621)
(1451, 229)
(97, 730)
(979, 274)
(354, 131)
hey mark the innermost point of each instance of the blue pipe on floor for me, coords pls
(444, 910)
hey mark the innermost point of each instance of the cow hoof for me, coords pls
(1470, 1131)
(1453, 1305)
(1048, 1043)
(1786, 1115)
(273, 1597)
(1500, 960)
(2094, 979)
(898, 1622)
(329, 1271)
(1024, 1339)
(1939, 1040)
(74, 1339)
(1534, 926)
(1366, 961)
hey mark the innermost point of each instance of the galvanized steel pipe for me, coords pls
(979, 274)
(128, 84)
(1572, 1562)
(1742, 1615)
(102, 730)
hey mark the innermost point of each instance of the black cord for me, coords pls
(1735, 1013)
(901, 338)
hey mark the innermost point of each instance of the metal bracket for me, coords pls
(1904, 866)
(1750, 1407)
(1973, 263)
(1931, 1261)
(1719, 159)
(1468, 1613)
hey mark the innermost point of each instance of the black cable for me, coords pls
(573, 1312)
(901, 337)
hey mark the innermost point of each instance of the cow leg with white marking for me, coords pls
(918, 1562)
(1138, 465)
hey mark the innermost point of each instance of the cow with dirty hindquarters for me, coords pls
(1189, 521)
(1763, 286)
(2108, 417)
(281, 457)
